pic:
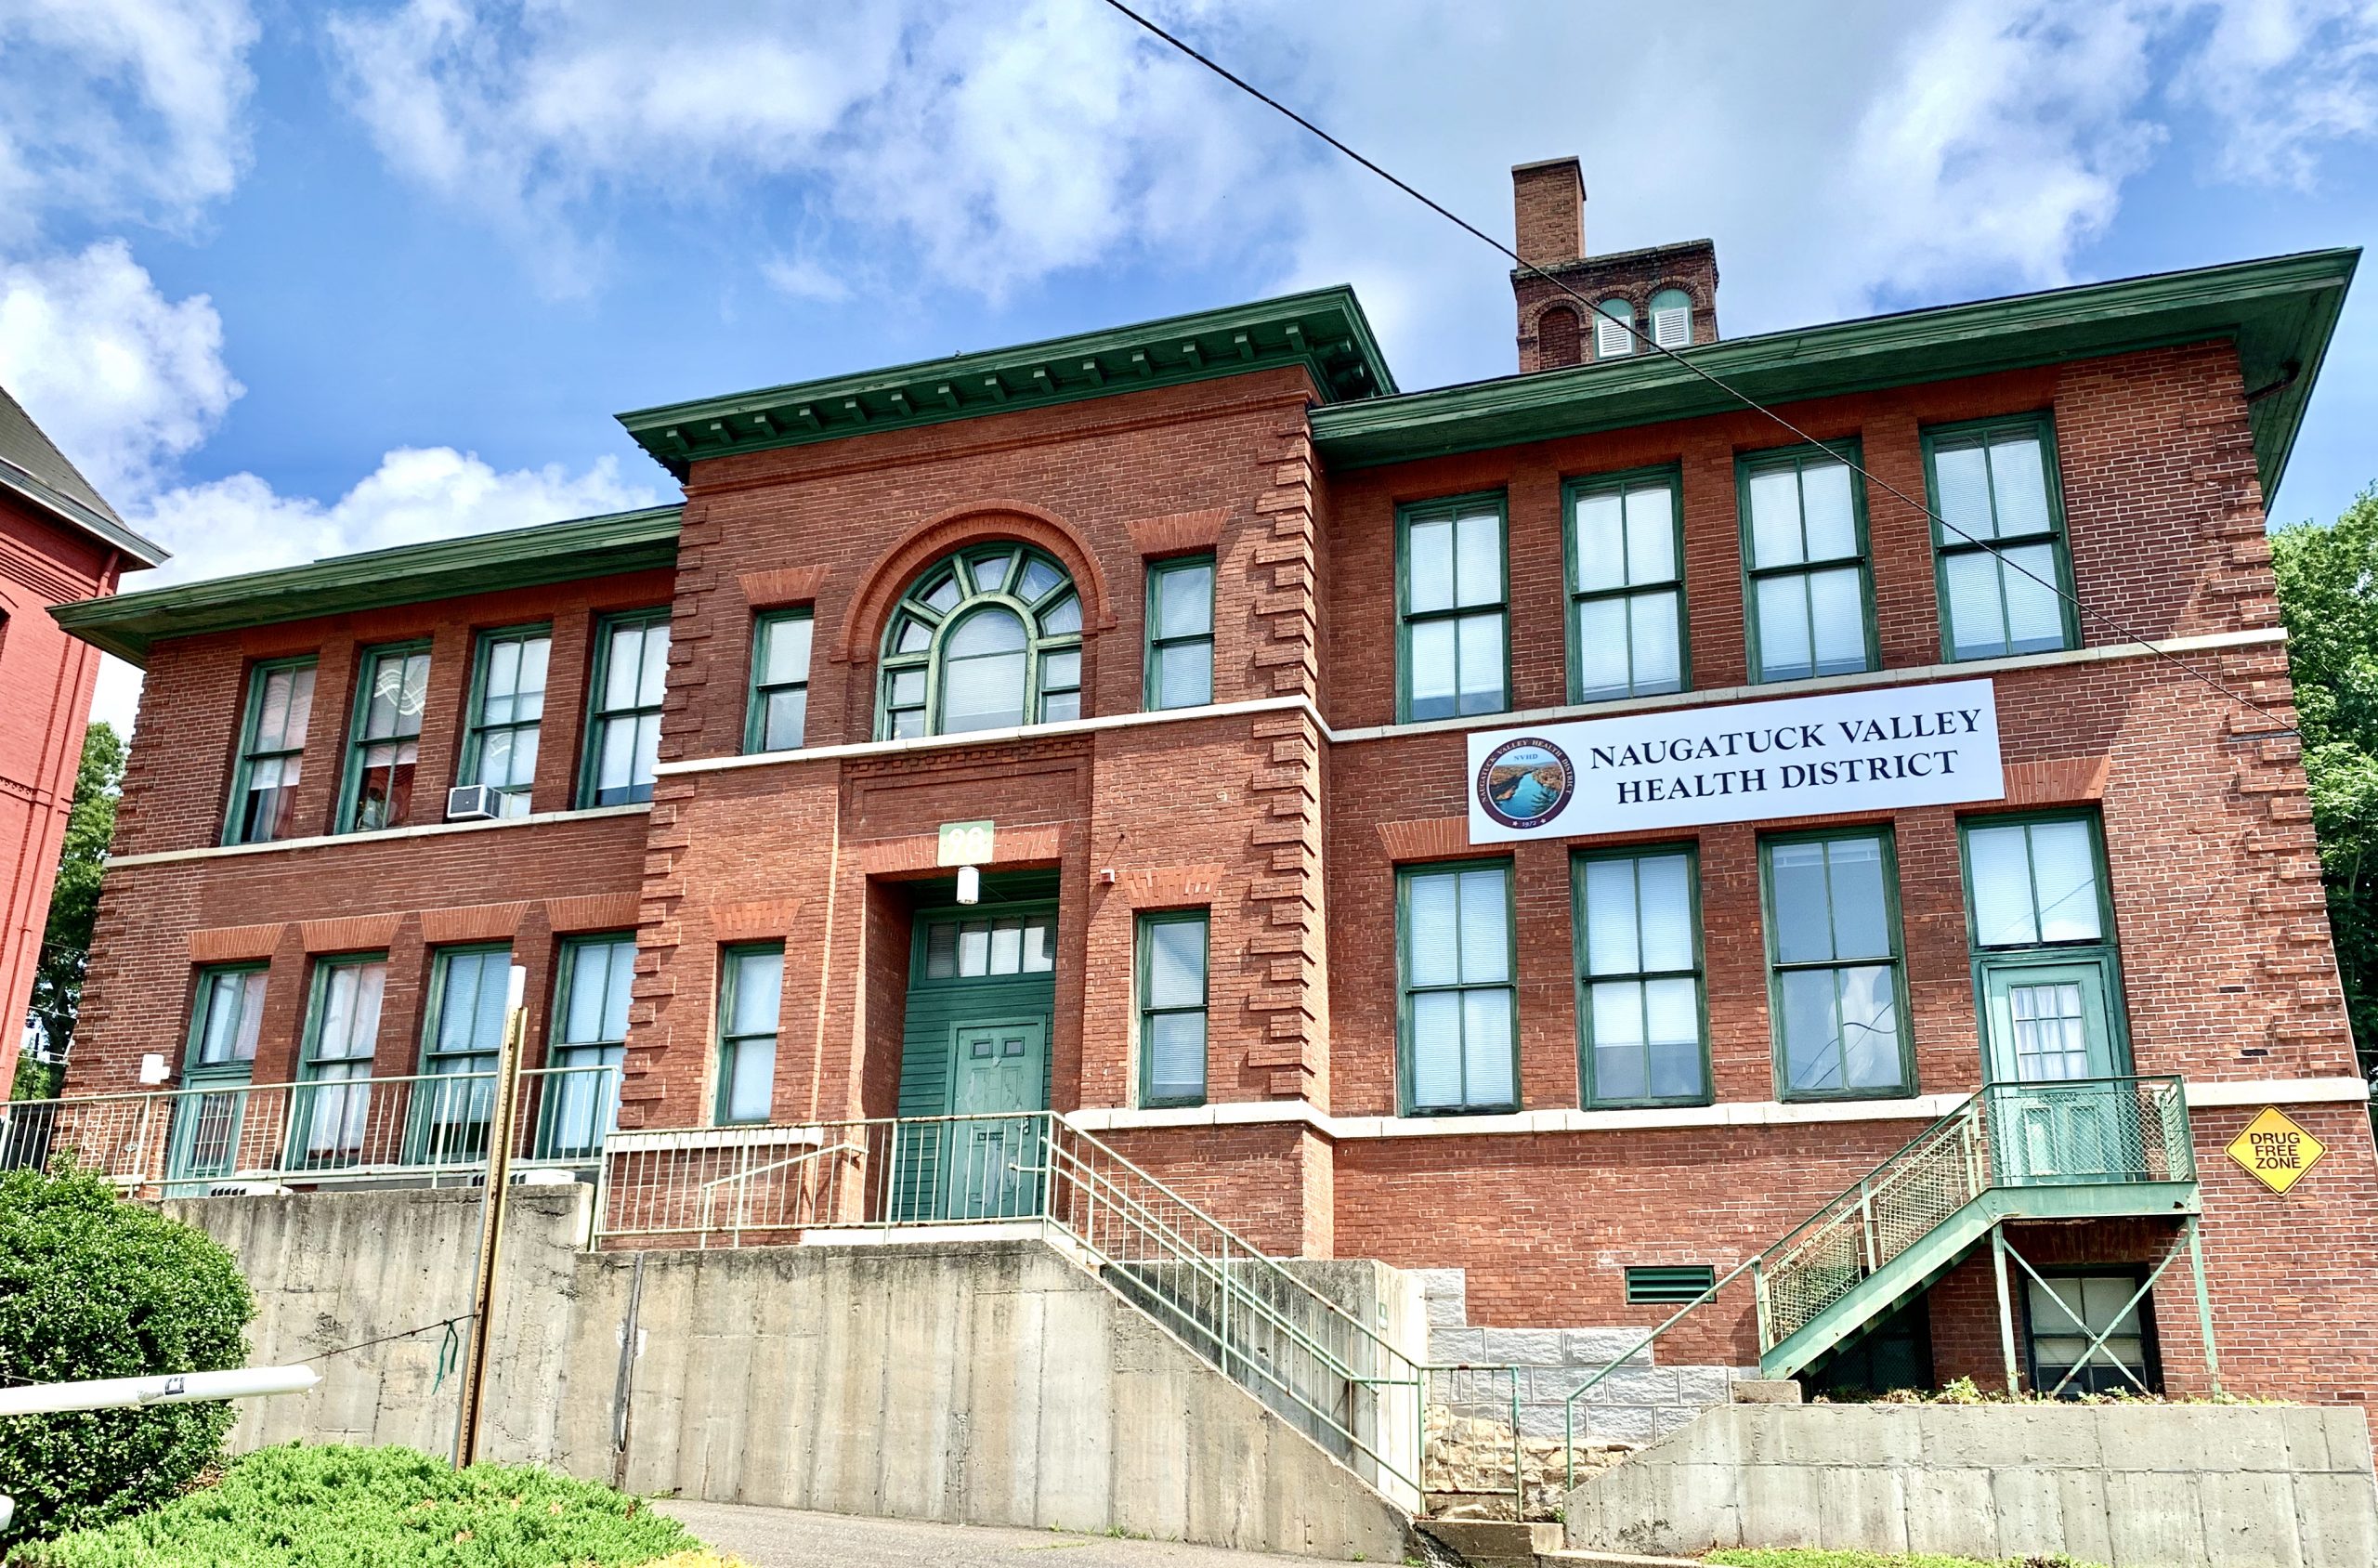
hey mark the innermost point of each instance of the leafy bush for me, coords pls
(93, 1286)
(298, 1506)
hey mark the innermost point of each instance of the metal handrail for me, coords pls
(1985, 1166)
(709, 1189)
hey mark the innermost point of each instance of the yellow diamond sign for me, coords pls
(2275, 1151)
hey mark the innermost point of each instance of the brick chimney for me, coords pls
(1667, 291)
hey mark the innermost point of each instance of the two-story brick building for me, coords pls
(1386, 829)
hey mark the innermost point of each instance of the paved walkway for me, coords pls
(790, 1538)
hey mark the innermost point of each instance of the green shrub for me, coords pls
(330, 1507)
(93, 1286)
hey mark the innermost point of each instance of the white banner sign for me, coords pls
(1746, 761)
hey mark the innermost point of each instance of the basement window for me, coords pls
(1668, 1283)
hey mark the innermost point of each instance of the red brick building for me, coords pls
(59, 543)
(1189, 636)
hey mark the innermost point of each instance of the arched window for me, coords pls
(1558, 339)
(1672, 319)
(987, 638)
(1612, 336)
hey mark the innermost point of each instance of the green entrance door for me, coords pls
(2050, 1028)
(995, 1165)
(982, 996)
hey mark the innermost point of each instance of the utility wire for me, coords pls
(2285, 726)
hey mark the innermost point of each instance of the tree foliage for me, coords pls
(2328, 593)
(74, 903)
(94, 1287)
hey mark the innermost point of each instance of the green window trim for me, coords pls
(1153, 1010)
(330, 1118)
(1668, 1283)
(393, 806)
(1593, 1094)
(1778, 968)
(774, 698)
(1192, 692)
(601, 717)
(1988, 958)
(741, 1036)
(1800, 460)
(919, 637)
(230, 994)
(259, 753)
(1949, 547)
(1409, 994)
(515, 734)
(451, 1120)
(581, 1101)
(1453, 614)
(1633, 596)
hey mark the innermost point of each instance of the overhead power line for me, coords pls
(2282, 726)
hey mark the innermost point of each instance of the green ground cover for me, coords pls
(1818, 1557)
(329, 1507)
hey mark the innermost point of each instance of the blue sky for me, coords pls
(290, 280)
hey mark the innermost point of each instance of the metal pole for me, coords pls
(2203, 1307)
(2005, 1307)
(499, 1177)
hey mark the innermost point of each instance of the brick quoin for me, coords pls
(1291, 839)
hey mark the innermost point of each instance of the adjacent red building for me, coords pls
(59, 543)
(1560, 831)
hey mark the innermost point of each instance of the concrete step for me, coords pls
(1494, 1543)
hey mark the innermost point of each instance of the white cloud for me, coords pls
(124, 379)
(241, 524)
(2287, 79)
(120, 109)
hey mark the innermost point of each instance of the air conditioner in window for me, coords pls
(474, 803)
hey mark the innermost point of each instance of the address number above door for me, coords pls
(964, 843)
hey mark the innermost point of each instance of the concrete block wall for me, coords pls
(1639, 1401)
(983, 1382)
(2127, 1485)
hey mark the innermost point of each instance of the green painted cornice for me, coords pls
(125, 624)
(2280, 312)
(1323, 331)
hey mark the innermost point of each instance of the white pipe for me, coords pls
(173, 1388)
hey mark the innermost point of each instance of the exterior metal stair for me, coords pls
(2077, 1150)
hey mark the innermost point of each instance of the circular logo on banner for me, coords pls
(1524, 783)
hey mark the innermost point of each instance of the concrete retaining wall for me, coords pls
(990, 1383)
(2131, 1487)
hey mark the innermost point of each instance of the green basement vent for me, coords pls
(1674, 1285)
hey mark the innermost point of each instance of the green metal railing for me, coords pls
(2074, 1132)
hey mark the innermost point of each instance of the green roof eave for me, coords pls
(2280, 312)
(1323, 331)
(127, 624)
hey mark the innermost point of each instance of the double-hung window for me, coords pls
(623, 712)
(1459, 1016)
(1452, 592)
(507, 712)
(2066, 1311)
(1639, 972)
(332, 1114)
(1181, 632)
(461, 1041)
(272, 747)
(750, 987)
(1173, 1008)
(779, 719)
(2047, 977)
(1804, 553)
(1625, 587)
(2004, 572)
(391, 691)
(1835, 982)
(225, 1023)
(588, 1042)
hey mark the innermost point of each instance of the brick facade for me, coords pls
(1286, 811)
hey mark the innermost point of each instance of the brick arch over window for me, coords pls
(862, 624)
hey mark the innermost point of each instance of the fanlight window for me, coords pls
(986, 639)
